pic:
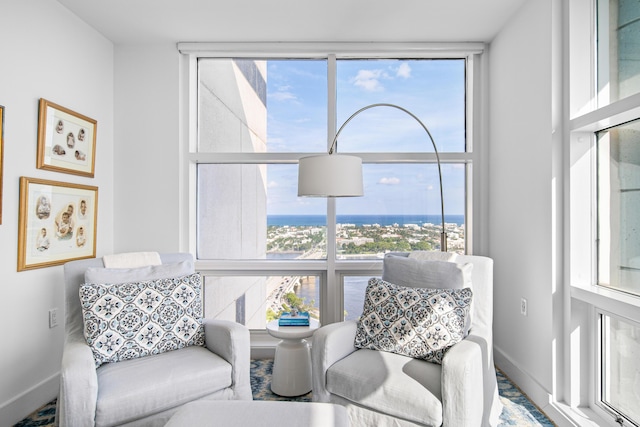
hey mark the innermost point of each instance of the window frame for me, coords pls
(587, 112)
(331, 270)
(599, 382)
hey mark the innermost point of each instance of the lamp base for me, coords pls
(443, 241)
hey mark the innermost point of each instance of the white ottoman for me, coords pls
(245, 413)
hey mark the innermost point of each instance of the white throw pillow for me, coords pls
(131, 259)
(138, 274)
(422, 323)
(136, 319)
(433, 255)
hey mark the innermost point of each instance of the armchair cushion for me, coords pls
(132, 389)
(131, 320)
(393, 384)
(416, 322)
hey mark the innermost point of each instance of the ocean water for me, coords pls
(359, 220)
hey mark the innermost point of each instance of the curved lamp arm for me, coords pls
(336, 175)
(443, 234)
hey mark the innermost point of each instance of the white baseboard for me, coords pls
(18, 408)
(523, 380)
(558, 412)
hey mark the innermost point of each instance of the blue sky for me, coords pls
(433, 90)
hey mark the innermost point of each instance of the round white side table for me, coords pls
(292, 362)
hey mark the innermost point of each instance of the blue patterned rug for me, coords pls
(518, 410)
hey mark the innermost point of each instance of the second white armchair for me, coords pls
(381, 388)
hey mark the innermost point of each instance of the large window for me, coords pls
(619, 355)
(604, 243)
(618, 201)
(257, 117)
(618, 50)
(618, 207)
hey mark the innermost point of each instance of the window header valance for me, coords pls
(339, 49)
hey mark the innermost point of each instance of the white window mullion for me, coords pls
(332, 308)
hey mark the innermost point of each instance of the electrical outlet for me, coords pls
(53, 318)
(523, 306)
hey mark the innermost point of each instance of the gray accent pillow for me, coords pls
(413, 272)
(422, 323)
(138, 274)
(136, 319)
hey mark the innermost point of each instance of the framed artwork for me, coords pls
(57, 223)
(66, 140)
(1, 155)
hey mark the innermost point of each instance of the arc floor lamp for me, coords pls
(339, 175)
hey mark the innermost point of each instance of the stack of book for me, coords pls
(299, 319)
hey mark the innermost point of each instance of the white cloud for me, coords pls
(389, 181)
(272, 184)
(283, 93)
(404, 71)
(283, 96)
(369, 80)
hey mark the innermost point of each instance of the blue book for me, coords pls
(300, 319)
(285, 323)
(292, 324)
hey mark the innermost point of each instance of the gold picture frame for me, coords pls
(57, 222)
(66, 140)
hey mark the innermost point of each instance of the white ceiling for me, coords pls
(157, 21)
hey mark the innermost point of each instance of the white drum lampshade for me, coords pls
(330, 175)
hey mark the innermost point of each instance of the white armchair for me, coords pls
(386, 389)
(146, 391)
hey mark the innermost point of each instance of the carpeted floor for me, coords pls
(518, 410)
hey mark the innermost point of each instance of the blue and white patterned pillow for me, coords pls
(421, 323)
(130, 320)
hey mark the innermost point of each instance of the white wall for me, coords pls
(147, 149)
(522, 215)
(46, 52)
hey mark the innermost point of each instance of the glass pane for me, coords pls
(248, 106)
(401, 211)
(253, 212)
(621, 367)
(354, 289)
(618, 207)
(256, 300)
(618, 49)
(431, 89)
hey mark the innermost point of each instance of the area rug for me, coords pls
(518, 409)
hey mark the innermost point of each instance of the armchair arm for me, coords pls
(462, 384)
(331, 343)
(78, 385)
(230, 340)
